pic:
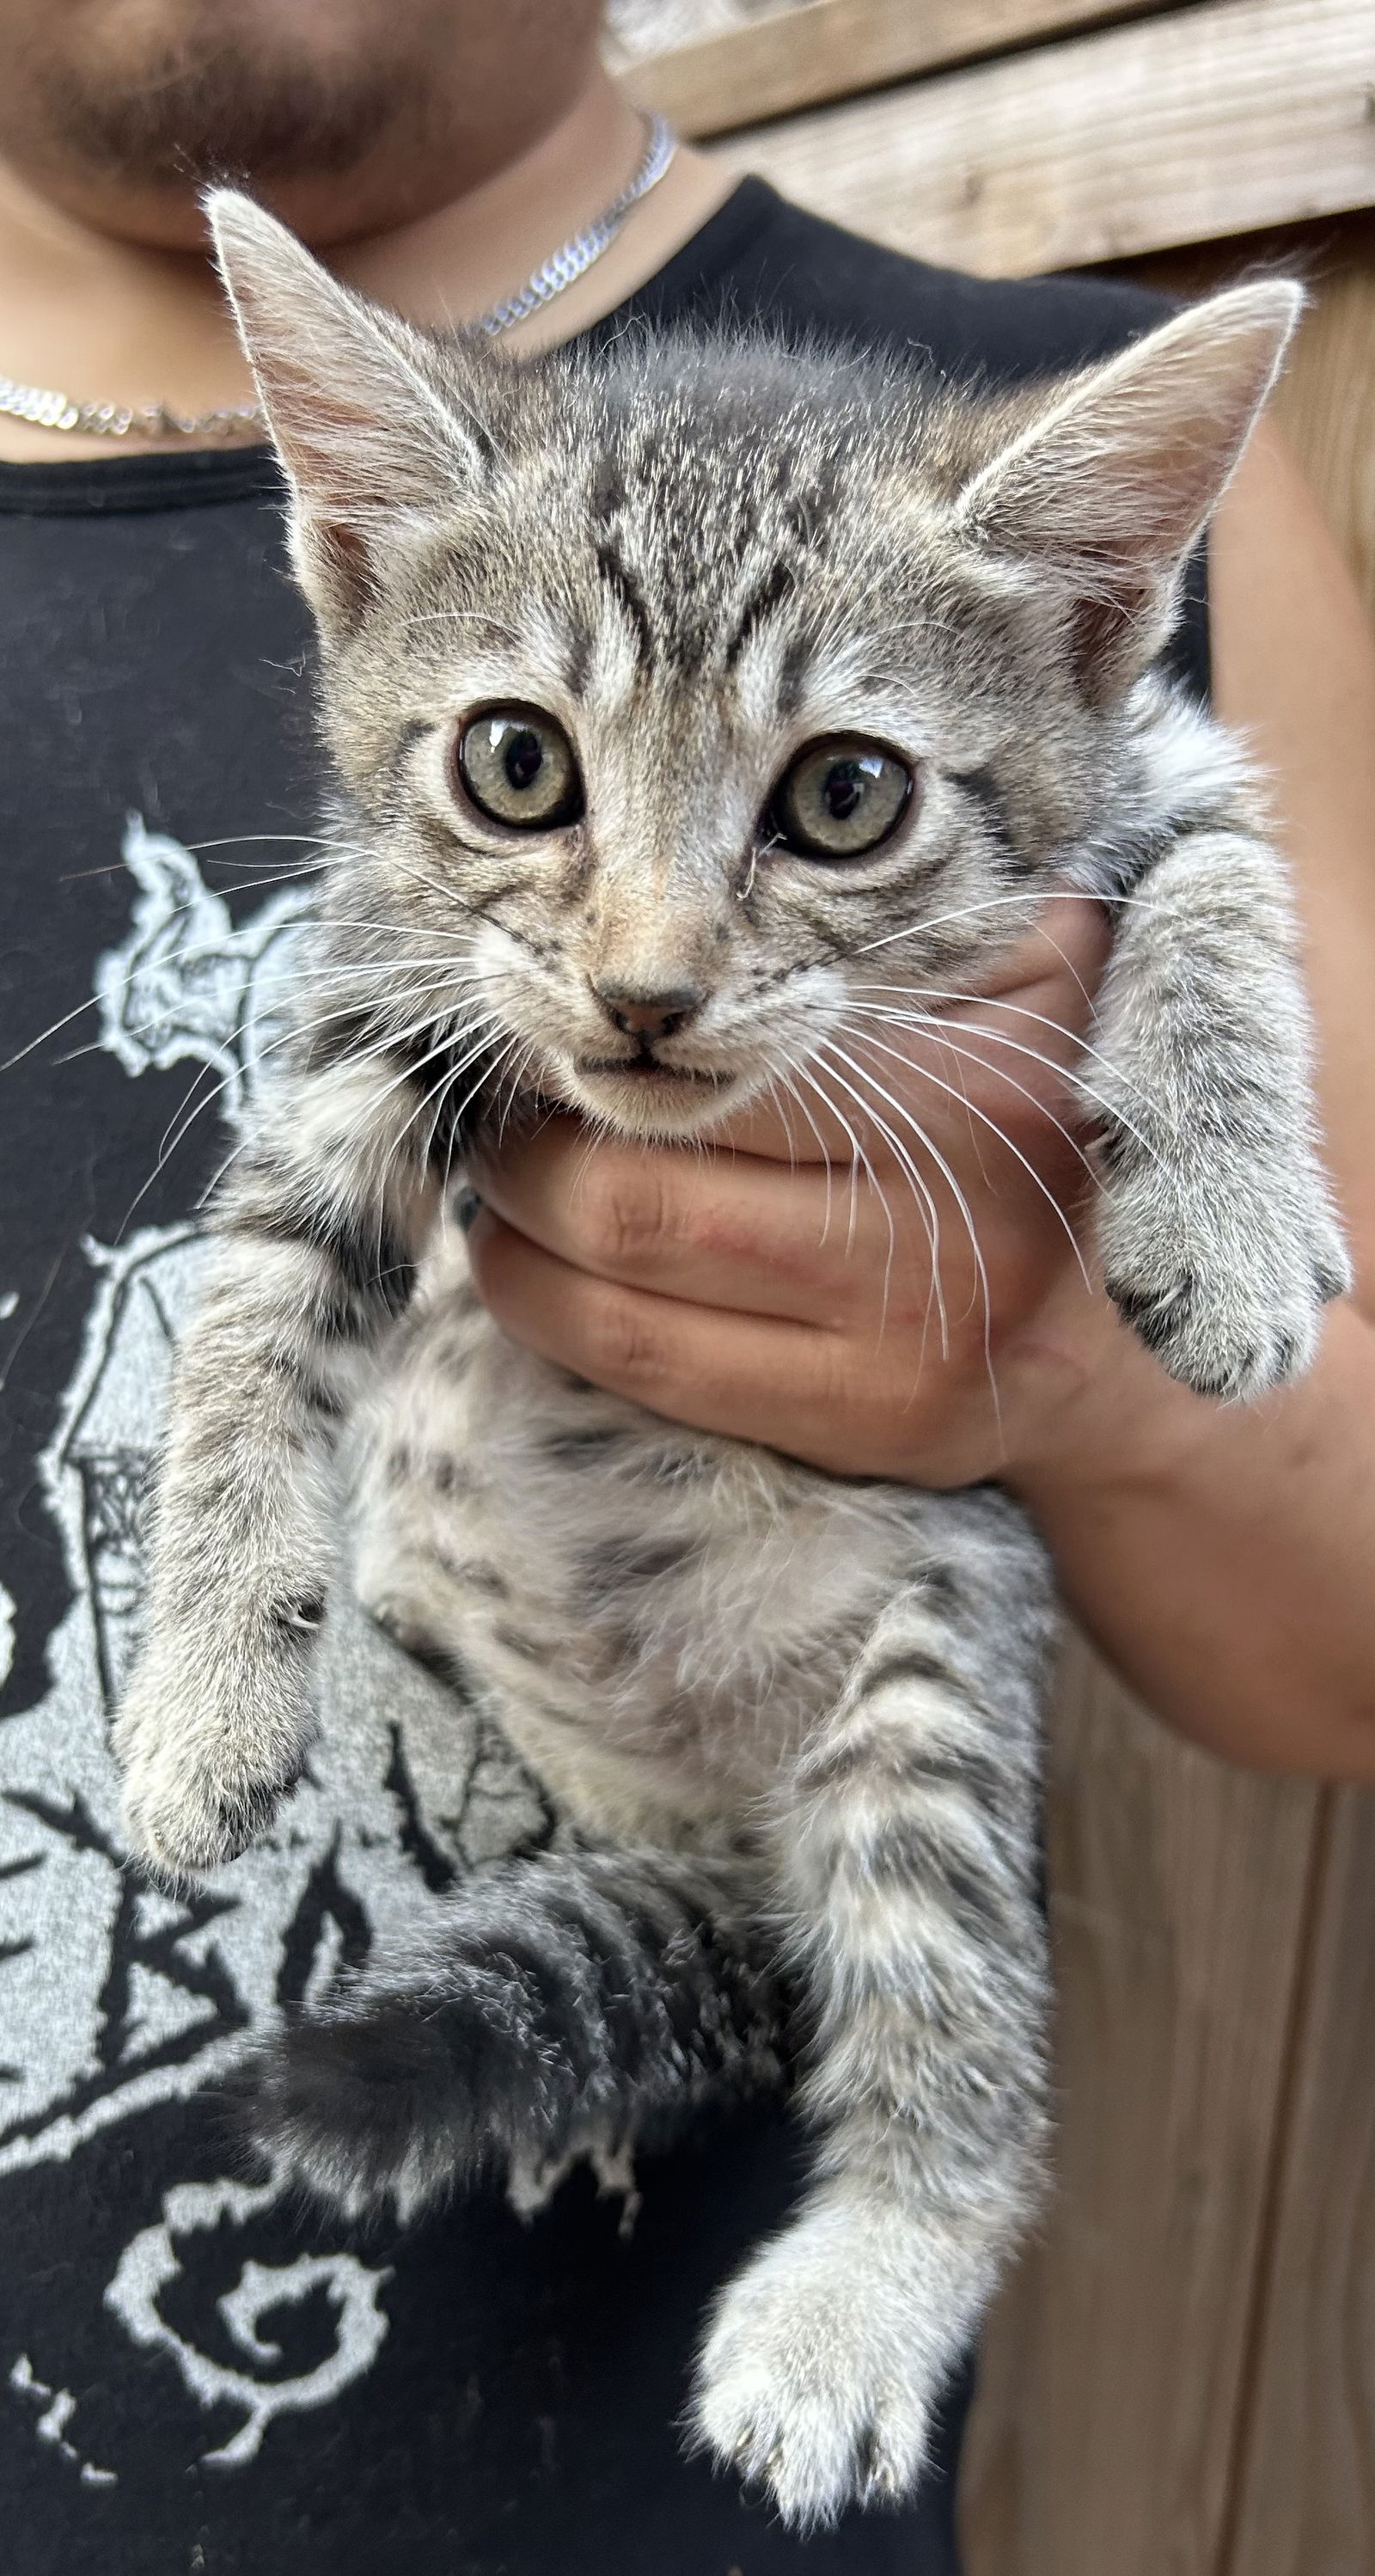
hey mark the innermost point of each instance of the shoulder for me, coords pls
(760, 259)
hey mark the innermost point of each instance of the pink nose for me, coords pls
(648, 1016)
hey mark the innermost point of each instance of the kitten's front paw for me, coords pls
(196, 1795)
(812, 2381)
(1228, 1295)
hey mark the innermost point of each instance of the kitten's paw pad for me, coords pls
(806, 2390)
(1235, 1314)
(190, 1806)
(1216, 1339)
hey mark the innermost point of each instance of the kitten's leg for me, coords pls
(413, 1567)
(908, 1860)
(1218, 1235)
(309, 1262)
(564, 2004)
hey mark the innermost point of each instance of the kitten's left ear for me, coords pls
(1111, 486)
(374, 438)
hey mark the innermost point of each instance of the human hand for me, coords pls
(781, 1287)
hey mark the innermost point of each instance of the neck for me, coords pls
(111, 319)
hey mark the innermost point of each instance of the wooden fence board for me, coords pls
(1306, 2482)
(1208, 121)
(1104, 2435)
(828, 49)
(1326, 402)
(1081, 2463)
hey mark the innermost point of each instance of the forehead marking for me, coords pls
(769, 594)
(626, 592)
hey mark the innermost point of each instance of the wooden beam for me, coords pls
(827, 49)
(1307, 2493)
(1113, 2376)
(1179, 129)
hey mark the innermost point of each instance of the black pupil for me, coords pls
(522, 757)
(843, 789)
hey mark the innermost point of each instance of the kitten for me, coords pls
(679, 700)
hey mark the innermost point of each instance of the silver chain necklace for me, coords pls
(45, 408)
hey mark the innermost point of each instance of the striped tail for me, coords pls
(565, 2004)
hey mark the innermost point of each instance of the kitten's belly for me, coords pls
(657, 1615)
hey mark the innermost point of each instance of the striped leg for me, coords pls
(1218, 1235)
(908, 1856)
(309, 1263)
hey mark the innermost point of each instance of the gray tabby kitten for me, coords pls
(682, 701)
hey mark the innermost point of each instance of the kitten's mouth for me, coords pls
(646, 1068)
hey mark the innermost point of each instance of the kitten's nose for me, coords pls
(645, 1015)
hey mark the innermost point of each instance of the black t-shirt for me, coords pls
(196, 2375)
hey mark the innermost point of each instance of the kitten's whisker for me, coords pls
(184, 1119)
(998, 903)
(779, 1095)
(269, 1046)
(788, 1069)
(916, 994)
(966, 1055)
(263, 840)
(922, 1196)
(435, 1095)
(962, 1203)
(860, 1163)
(857, 1162)
(991, 1124)
(503, 1056)
(91, 1003)
(408, 1072)
(937, 1026)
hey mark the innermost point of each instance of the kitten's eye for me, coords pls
(841, 796)
(518, 766)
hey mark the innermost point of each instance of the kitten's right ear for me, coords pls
(372, 442)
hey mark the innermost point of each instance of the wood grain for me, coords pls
(1325, 400)
(1080, 2463)
(1103, 2439)
(1208, 121)
(830, 48)
(1306, 2471)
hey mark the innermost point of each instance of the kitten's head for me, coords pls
(687, 695)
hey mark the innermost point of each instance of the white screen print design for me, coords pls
(113, 1996)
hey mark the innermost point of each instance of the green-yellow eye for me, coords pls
(840, 797)
(518, 767)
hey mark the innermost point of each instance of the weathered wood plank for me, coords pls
(1306, 2485)
(1104, 2434)
(1326, 401)
(828, 49)
(1205, 122)
(1287, 2485)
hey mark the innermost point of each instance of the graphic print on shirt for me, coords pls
(408, 1789)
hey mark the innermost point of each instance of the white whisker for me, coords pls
(926, 1075)
(923, 1199)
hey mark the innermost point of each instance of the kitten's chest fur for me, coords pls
(656, 1615)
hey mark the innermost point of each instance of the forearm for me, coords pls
(1223, 1557)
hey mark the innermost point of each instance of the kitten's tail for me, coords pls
(564, 2004)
